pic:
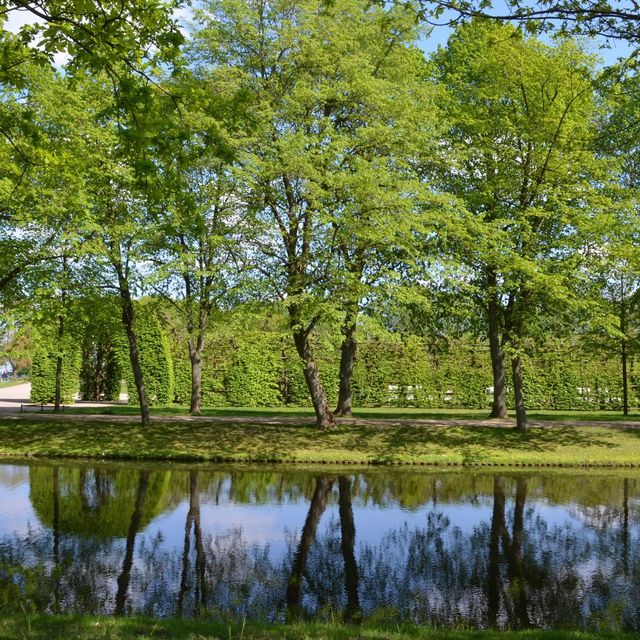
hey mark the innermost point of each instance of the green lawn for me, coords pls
(349, 443)
(90, 628)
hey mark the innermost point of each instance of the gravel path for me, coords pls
(12, 397)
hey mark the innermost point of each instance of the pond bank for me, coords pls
(444, 443)
(27, 627)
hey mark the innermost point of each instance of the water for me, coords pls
(443, 548)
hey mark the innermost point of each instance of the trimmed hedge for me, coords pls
(246, 366)
(251, 361)
(43, 369)
(155, 359)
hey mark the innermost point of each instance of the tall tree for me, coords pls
(330, 114)
(522, 117)
(194, 248)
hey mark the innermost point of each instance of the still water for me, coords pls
(442, 548)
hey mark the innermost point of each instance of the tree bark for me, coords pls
(58, 389)
(625, 379)
(324, 416)
(499, 406)
(353, 613)
(195, 355)
(521, 409)
(623, 348)
(136, 517)
(57, 403)
(308, 535)
(128, 320)
(347, 360)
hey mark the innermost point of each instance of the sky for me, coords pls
(438, 36)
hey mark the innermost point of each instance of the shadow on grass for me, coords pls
(348, 443)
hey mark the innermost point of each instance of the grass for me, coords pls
(93, 628)
(350, 443)
(13, 383)
(373, 412)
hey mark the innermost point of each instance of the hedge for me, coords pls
(245, 366)
(44, 365)
(252, 362)
(155, 358)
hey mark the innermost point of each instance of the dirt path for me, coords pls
(11, 399)
(13, 414)
(14, 397)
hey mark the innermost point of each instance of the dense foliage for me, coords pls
(477, 205)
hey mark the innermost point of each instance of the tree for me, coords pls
(194, 244)
(609, 20)
(115, 38)
(522, 117)
(331, 124)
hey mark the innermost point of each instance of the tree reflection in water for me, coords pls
(443, 549)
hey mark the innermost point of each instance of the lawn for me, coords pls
(90, 628)
(183, 439)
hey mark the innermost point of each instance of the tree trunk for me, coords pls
(353, 612)
(128, 320)
(499, 407)
(324, 417)
(58, 390)
(136, 517)
(308, 535)
(625, 379)
(347, 360)
(195, 355)
(57, 403)
(521, 409)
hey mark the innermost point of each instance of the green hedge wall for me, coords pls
(43, 369)
(253, 367)
(155, 359)
(251, 361)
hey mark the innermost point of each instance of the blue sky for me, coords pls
(609, 52)
(438, 36)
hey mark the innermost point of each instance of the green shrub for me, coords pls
(44, 365)
(155, 359)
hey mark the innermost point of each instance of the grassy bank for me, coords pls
(90, 628)
(357, 444)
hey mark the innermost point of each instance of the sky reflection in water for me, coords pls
(456, 548)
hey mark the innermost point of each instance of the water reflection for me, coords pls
(480, 550)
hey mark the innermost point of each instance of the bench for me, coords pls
(35, 405)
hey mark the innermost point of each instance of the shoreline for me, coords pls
(62, 627)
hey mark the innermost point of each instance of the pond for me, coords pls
(452, 548)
